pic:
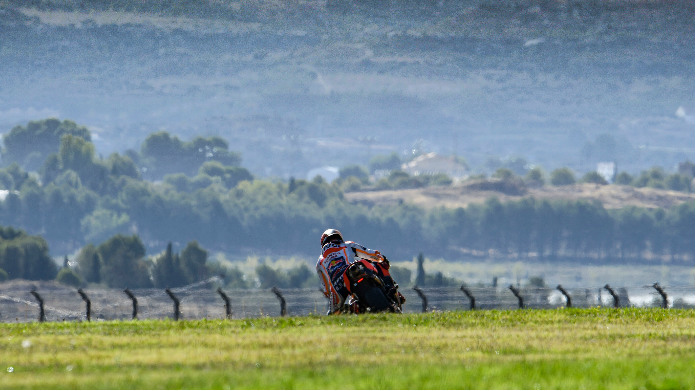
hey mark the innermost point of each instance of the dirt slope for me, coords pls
(461, 195)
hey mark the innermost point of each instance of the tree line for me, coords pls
(78, 200)
(121, 262)
(516, 174)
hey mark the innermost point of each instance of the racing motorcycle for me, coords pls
(369, 292)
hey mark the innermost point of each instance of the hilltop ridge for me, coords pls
(461, 195)
(557, 83)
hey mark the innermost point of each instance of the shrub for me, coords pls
(355, 171)
(67, 276)
(562, 176)
(388, 162)
(534, 177)
(350, 184)
(594, 177)
(504, 174)
(623, 178)
(536, 282)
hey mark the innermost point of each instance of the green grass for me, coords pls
(520, 349)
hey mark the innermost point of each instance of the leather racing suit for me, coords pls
(333, 262)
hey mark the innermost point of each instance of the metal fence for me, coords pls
(25, 302)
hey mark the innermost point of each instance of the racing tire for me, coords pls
(373, 298)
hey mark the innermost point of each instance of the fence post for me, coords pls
(228, 308)
(662, 293)
(283, 307)
(42, 314)
(88, 304)
(567, 296)
(135, 303)
(424, 299)
(176, 303)
(613, 294)
(472, 300)
(520, 300)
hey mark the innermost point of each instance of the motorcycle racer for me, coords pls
(336, 256)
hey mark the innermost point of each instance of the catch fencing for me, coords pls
(25, 302)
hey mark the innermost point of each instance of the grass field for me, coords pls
(522, 349)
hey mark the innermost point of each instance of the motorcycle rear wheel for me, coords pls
(374, 299)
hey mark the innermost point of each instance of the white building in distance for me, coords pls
(607, 170)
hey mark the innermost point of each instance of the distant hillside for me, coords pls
(611, 196)
(559, 83)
